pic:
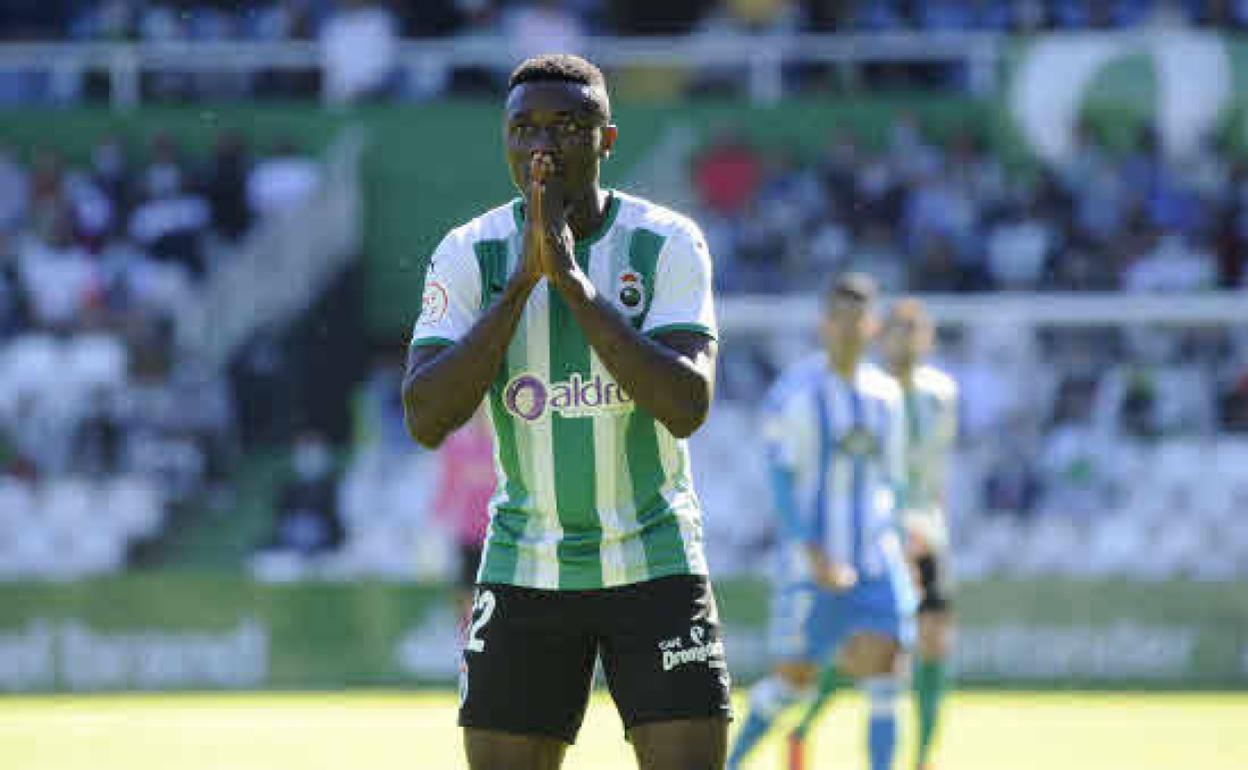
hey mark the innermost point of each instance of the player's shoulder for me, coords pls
(802, 376)
(931, 379)
(875, 381)
(641, 213)
(498, 223)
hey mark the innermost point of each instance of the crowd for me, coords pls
(302, 19)
(947, 216)
(96, 263)
(359, 39)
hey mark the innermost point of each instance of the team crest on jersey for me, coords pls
(630, 291)
(862, 443)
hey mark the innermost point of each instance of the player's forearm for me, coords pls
(660, 380)
(442, 393)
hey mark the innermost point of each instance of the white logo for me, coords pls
(711, 653)
(1193, 73)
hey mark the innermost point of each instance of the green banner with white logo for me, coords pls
(180, 632)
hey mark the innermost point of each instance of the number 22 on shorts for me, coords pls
(482, 611)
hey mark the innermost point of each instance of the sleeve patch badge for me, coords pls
(433, 304)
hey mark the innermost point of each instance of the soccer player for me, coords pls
(835, 435)
(584, 316)
(930, 397)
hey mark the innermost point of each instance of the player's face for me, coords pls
(562, 120)
(905, 339)
(848, 325)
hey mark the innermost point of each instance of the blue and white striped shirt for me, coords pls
(837, 456)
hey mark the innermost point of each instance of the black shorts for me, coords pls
(934, 583)
(469, 561)
(529, 654)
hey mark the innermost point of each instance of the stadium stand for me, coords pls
(106, 423)
(1108, 449)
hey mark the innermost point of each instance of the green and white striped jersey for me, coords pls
(931, 411)
(592, 491)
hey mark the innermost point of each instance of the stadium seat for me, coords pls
(133, 505)
(96, 360)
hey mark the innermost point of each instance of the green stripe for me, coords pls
(657, 526)
(656, 521)
(580, 562)
(492, 261)
(643, 257)
(508, 521)
(681, 327)
(913, 492)
(417, 343)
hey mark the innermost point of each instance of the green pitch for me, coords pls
(371, 731)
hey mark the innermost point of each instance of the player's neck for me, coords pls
(844, 363)
(904, 372)
(586, 212)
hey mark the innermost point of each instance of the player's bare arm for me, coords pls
(444, 384)
(672, 376)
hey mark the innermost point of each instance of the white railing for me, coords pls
(762, 58)
(766, 314)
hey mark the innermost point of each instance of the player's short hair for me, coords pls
(562, 68)
(859, 287)
(911, 310)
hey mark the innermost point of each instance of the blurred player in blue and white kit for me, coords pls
(835, 432)
(931, 410)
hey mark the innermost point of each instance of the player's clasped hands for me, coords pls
(548, 239)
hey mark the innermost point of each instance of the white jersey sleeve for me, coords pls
(793, 455)
(683, 298)
(451, 301)
(791, 429)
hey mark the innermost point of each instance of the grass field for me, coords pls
(379, 731)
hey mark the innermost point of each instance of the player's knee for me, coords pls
(934, 636)
(799, 676)
(776, 693)
(868, 655)
(882, 693)
(691, 744)
(492, 750)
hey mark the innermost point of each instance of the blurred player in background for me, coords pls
(465, 485)
(835, 435)
(586, 317)
(931, 402)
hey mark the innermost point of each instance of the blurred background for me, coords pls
(214, 220)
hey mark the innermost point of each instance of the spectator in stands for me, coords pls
(59, 277)
(97, 442)
(1231, 229)
(480, 20)
(225, 186)
(1011, 485)
(171, 220)
(535, 27)
(307, 506)
(112, 175)
(727, 174)
(359, 43)
(1174, 264)
(13, 191)
(282, 181)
